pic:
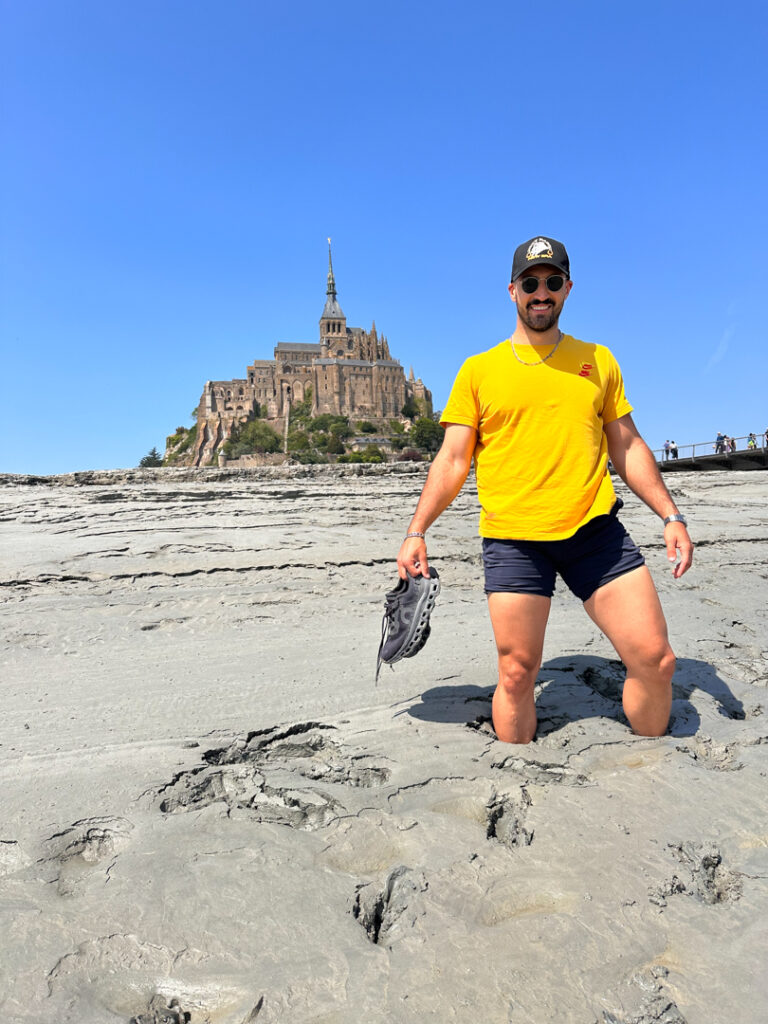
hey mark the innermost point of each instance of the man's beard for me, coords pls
(539, 322)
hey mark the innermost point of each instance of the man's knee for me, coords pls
(661, 665)
(653, 660)
(667, 664)
(517, 676)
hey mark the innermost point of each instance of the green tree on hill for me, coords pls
(152, 458)
(178, 443)
(410, 409)
(298, 441)
(334, 445)
(426, 435)
(326, 423)
(371, 453)
(256, 436)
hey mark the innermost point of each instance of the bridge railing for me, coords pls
(702, 448)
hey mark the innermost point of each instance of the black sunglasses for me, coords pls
(554, 283)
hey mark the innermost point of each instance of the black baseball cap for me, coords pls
(537, 251)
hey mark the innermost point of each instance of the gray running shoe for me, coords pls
(405, 628)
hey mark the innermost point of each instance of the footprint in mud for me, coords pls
(703, 876)
(538, 772)
(366, 845)
(160, 1011)
(246, 789)
(78, 850)
(396, 907)
(656, 1005)
(269, 774)
(718, 757)
(476, 801)
(122, 977)
(505, 819)
(308, 750)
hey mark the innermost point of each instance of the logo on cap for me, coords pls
(538, 249)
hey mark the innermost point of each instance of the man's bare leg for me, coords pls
(519, 622)
(629, 612)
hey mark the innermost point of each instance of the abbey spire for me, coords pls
(332, 309)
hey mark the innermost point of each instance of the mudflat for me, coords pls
(210, 812)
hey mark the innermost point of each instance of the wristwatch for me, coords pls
(676, 518)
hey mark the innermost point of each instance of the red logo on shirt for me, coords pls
(586, 369)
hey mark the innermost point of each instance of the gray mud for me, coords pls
(211, 815)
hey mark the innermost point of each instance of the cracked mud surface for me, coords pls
(265, 775)
(212, 816)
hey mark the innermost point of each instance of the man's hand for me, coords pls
(412, 558)
(676, 538)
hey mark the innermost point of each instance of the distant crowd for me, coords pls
(723, 444)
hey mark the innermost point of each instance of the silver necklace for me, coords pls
(538, 361)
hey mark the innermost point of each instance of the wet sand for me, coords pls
(206, 798)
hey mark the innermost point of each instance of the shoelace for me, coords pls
(390, 606)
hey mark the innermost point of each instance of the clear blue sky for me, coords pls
(171, 170)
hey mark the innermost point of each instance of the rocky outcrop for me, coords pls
(210, 474)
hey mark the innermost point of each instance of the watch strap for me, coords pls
(676, 518)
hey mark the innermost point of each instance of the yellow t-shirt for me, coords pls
(541, 455)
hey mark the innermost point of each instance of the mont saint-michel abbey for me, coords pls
(350, 371)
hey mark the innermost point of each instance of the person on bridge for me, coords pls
(673, 449)
(549, 508)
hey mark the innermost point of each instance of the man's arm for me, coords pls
(635, 464)
(446, 476)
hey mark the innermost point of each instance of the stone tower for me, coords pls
(333, 323)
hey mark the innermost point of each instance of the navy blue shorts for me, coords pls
(599, 552)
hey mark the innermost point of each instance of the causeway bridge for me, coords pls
(702, 456)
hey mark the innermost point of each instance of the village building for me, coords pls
(350, 372)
